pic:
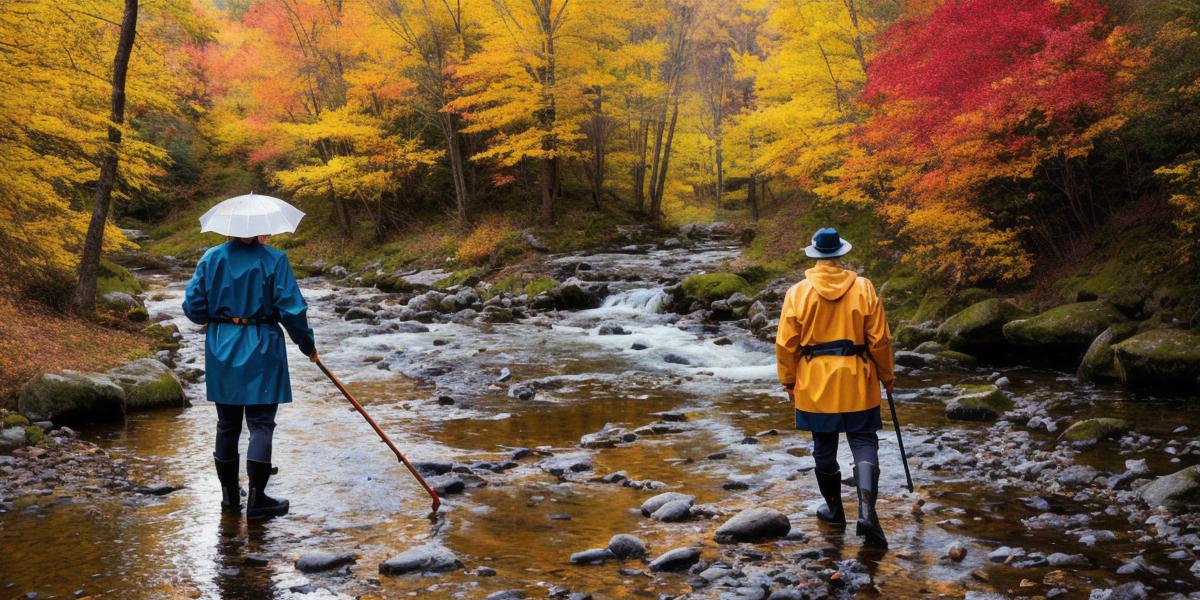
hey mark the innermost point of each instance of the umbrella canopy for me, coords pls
(251, 215)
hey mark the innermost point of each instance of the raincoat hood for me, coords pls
(830, 280)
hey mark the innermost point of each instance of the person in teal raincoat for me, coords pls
(243, 290)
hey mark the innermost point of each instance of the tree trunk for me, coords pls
(720, 174)
(752, 195)
(454, 149)
(656, 196)
(549, 190)
(89, 262)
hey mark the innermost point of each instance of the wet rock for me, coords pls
(675, 359)
(522, 391)
(670, 416)
(660, 428)
(1062, 335)
(956, 552)
(652, 505)
(1129, 591)
(1005, 554)
(979, 328)
(359, 313)
(607, 438)
(754, 525)
(708, 287)
(722, 341)
(429, 468)
(624, 545)
(72, 396)
(677, 559)
(1096, 429)
(915, 360)
(430, 558)
(1076, 476)
(313, 562)
(559, 466)
(673, 511)
(1100, 362)
(1176, 491)
(1160, 360)
(638, 346)
(594, 556)
(978, 403)
(611, 329)
(148, 383)
(1062, 559)
(1137, 565)
(119, 300)
(446, 485)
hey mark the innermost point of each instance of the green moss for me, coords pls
(164, 391)
(1067, 329)
(15, 420)
(979, 327)
(953, 357)
(979, 403)
(137, 314)
(930, 347)
(931, 307)
(114, 278)
(1160, 359)
(540, 285)
(512, 283)
(1096, 429)
(714, 286)
(911, 336)
(34, 434)
(758, 274)
(1099, 363)
(464, 277)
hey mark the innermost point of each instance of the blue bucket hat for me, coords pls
(827, 244)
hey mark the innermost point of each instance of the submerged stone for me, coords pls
(754, 525)
(430, 558)
(313, 562)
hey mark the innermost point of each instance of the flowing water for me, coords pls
(347, 491)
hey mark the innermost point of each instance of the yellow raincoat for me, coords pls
(834, 393)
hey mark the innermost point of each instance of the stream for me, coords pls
(442, 394)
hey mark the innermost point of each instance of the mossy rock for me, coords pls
(1096, 429)
(1061, 335)
(930, 347)
(911, 336)
(72, 397)
(1116, 281)
(1166, 360)
(1099, 362)
(979, 328)
(540, 285)
(978, 403)
(115, 278)
(391, 283)
(34, 434)
(901, 294)
(148, 384)
(137, 314)
(954, 358)
(1178, 491)
(14, 420)
(937, 303)
(466, 277)
(713, 286)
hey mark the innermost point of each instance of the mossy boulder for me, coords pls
(115, 278)
(148, 384)
(953, 358)
(1062, 334)
(1096, 429)
(466, 277)
(979, 328)
(1166, 360)
(1099, 362)
(34, 434)
(392, 283)
(71, 396)
(137, 314)
(978, 403)
(911, 336)
(14, 420)
(930, 347)
(713, 286)
(540, 285)
(1178, 491)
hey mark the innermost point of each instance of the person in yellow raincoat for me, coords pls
(833, 349)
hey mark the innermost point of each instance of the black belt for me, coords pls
(244, 320)
(834, 348)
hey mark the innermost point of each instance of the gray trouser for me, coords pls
(864, 446)
(260, 418)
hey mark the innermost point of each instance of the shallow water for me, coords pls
(348, 492)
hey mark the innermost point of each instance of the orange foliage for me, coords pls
(484, 242)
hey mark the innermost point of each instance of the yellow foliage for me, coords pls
(484, 242)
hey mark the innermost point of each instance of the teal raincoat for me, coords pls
(247, 363)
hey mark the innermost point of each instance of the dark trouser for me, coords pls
(261, 420)
(863, 444)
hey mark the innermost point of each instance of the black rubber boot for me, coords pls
(867, 475)
(231, 494)
(258, 504)
(830, 485)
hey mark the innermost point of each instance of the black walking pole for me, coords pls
(899, 439)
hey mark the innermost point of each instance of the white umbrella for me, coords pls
(251, 215)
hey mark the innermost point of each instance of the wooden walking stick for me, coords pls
(432, 494)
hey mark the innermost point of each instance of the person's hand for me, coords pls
(890, 387)
(791, 392)
(313, 357)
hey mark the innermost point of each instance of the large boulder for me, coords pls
(1100, 362)
(73, 397)
(708, 287)
(978, 403)
(1160, 359)
(754, 525)
(570, 296)
(1096, 429)
(979, 328)
(1061, 335)
(1179, 490)
(147, 384)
